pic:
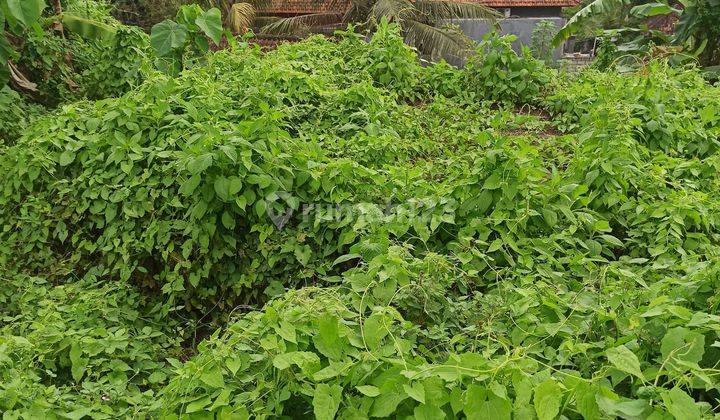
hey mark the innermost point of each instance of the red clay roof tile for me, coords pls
(302, 7)
(529, 3)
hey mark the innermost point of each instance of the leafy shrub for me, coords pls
(341, 352)
(177, 43)
(15, 115)
(118, 66)
(390, 62)
(442, 79)
(359, 253)
(97, 57)
(675, 111)
(47, 62)
(496, 72)
(541, 40)
(99, 348)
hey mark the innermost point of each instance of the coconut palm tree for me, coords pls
(423, 22)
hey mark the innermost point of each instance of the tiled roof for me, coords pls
(529, 3)
(303, 7)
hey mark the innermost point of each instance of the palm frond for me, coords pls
(260, 4)
(436, 10)
(297, 25)
(359, 11)
(592, 10)
(393, 10)
(241, 17)
(434, 41)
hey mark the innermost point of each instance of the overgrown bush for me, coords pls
(496, 72)
(673, 110)
(73, 65)
(56, 337)
(308, 232)
(15, 115)
(390, 62)
(118, 66)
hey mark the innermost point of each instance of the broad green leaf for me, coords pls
(623, 408)
(87, 28)
(66, 157)
(78, 364)
(492, 182)
(612, 240)
(307, 361)
(167, 36)
(26, 12)
(213, 377)
(550, 217)
(221, 400)
(332, 370)
(436, 393)
(287, 331)
(327, 339)
(346, 257)
(187, 14)
(210, 22)
(78, 414)
(189, 186)
(497, 408)
(652, 9)
(227, 188)
(416, 391)
(198, 404)
(428, 412)
(680, 404)
(302, 253)
(683, 344)
(585, 401)
(548, 396)
(475, 397)
(326, 401)
(260, 207)
(387, 402)
(369, 390)
(199, 164)
(622, 358)
(374, 330)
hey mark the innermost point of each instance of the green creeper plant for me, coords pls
(451, 247)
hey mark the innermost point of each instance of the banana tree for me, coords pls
(15, 17)
(697, 30)
(19, 16)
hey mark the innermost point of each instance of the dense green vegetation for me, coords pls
(635, 31)
(331, 229)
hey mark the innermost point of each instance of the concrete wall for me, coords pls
(521, 27)
(544, 12)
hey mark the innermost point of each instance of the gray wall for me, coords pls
(521, 27)
(534, 11)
